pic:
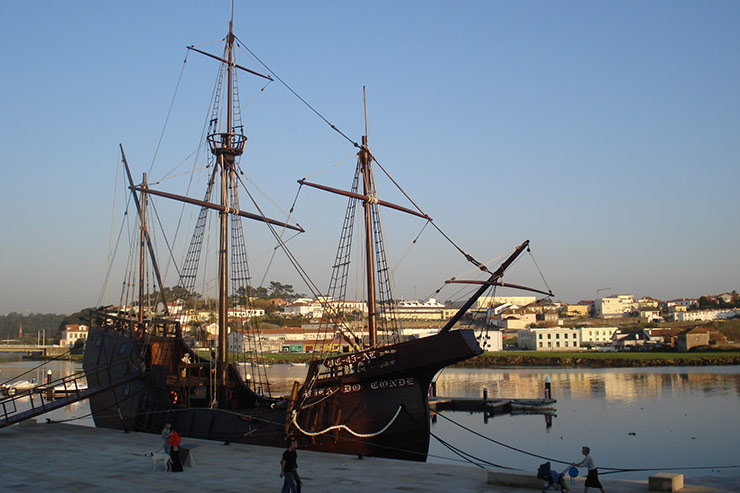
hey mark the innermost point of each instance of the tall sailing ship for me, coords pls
(371, 400)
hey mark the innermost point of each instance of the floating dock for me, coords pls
(63, 457)
(493, 407)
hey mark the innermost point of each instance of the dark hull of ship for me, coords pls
(372, 403)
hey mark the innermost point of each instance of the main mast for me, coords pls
(225, 146)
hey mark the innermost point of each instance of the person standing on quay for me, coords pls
(592, 480)
(166, 432)
(174, 443)
(288, 466)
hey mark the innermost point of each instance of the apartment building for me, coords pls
(615, 306)
(550, 339)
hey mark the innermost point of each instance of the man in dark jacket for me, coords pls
(288, 468)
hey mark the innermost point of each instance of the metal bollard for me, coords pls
(548, 388)
(485, 394)
(49, 388)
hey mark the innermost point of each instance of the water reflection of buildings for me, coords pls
(616, 385)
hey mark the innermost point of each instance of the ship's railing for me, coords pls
(357, 362)
(131, 326)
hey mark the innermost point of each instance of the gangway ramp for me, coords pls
(14, 408)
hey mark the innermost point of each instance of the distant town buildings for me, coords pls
(539, 325)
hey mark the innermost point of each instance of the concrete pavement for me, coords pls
(62, 457)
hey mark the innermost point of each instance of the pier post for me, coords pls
(49, 388)
(485, 394)
(548, 388)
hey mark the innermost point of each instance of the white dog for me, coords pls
(158, 457)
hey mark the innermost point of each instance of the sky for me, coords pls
(607, 133)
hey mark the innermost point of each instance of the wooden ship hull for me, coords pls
(372, 402)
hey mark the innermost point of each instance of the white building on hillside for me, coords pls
(615, 306)
(485, 302)
(597, 336)
(71, 334)
(491, 340)
(304, 308)
(694, 315)
(687, 302)
(550, 339)
(430, 309)
(244, 312)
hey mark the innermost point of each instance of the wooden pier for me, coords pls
(493, 407)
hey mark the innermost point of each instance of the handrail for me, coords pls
(10, 413)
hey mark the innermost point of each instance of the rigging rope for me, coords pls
(298, 95)
(36, 367)
(169, 111)
(466, 455)
(539, 270)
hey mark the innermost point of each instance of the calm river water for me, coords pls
(671, 417)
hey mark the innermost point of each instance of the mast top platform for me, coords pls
(230, 144)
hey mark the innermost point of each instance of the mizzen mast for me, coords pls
(372, 308)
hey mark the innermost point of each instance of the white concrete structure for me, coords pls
(491, 340)
(615, 306)
(550, 339)
(430, 309)
(71, 334)
(303, 308)
(510, 316)
(694, 315)
(596, 336)
(237, 341)
(244, 312)
(687, 302)
(650, 314)
(488, 301)
(318, 308)
(648, 302)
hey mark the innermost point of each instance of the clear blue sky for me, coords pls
(608, 133)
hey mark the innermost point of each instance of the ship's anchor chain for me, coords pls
(294, 422)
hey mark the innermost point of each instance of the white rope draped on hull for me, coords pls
(294, 422)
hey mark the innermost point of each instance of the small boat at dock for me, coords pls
(61, 391)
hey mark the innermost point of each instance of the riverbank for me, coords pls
(60, 457)
(588, 359)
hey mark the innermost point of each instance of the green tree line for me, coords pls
(11, 324)
(33, 323)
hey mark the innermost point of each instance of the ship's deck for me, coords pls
(62, 457)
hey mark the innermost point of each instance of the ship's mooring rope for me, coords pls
(294, 422)
(611, 470)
